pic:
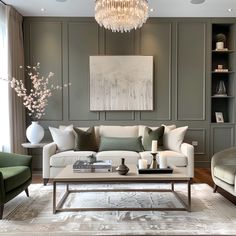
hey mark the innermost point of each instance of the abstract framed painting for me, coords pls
(121, 83)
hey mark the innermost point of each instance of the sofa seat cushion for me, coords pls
(173, 158)
(15, 176)
(226, 173)
(63, 159)
(130, 157)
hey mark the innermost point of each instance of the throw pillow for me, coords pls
(150, 135)
(64, 139)
(86, 140)
(124, 144)
(174, 138)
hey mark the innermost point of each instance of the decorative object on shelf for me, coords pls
(220, 89)
(219, 117)
(122, 168)
(220, 42)
(154, 146)
(142, 164)
(121, 15)
(35, 132)
(35, 99)
(220, 68)
(154, 161)
(92, 158)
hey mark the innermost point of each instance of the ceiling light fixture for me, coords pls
(151, 10)
(121, 15)
(230, 9)
(197, 1)
(43, 9)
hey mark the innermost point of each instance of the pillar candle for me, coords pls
(154, 146)
(162, 162)
(142, 164)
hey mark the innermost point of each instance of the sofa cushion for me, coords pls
(64, 139)
(173, 158)
(86, 140)
(174, 138)
(15, 176)
(118, 131)
(68, 157)
(150, 135)
(115, 156)
(114, 143)
(226, 173)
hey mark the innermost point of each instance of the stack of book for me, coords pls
(89, 167)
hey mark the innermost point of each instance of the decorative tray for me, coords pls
(167, 170)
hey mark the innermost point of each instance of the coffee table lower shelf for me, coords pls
(58, 207)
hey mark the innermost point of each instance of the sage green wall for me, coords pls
(182, 55)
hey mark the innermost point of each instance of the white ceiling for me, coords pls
(162, 8)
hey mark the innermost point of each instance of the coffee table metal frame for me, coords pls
(58, 207)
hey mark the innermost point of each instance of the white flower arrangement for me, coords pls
(36, 99)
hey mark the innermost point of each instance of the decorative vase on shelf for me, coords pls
(220, 89)
(122, 169)
(35, 132)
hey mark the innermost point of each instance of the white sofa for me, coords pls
(54, 162)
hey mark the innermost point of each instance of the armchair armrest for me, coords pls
(188, 151)
(224, 157)
(12, 159)
(48, 151)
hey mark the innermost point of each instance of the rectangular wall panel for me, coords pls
(156, 41)
(222, 137)
(83, 41)
(191, 51)
(46, 48)
(119, 44)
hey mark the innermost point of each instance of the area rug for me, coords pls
(211, 214)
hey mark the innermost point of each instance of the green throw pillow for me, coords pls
(125, 144)
(150, 135)
(86, 140)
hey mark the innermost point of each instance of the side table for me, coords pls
(35, 150)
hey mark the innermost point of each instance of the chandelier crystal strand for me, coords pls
(121, 15)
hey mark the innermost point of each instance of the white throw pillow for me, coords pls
(173, 139)
(64, 139)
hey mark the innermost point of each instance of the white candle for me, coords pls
(154, 146)
(162, 162)
(142, 164)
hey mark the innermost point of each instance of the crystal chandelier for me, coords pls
(121, 15)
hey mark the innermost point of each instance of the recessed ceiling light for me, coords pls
(43, 9)
(197, 1)
(61, 0)
(151, 10)
(230, 9)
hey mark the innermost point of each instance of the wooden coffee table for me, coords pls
(67, 176)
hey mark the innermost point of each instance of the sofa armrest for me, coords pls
(12, 159)
(188, 150)
(48, 151)
(2, 189)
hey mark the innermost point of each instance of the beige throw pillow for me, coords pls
(64, 139)
(174, 138)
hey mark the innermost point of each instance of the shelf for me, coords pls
(222, 72)
(222, 51)
(222, 96)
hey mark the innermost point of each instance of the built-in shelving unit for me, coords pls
(222, 74)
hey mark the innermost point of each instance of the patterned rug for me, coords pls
(211, 213)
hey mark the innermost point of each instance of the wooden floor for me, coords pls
(202, 175)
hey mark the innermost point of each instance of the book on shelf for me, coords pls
(87, 167)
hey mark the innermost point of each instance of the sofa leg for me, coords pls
(45, 181)
(27, 192)
(1, 210)
(215, 188)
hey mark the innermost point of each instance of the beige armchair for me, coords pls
(223, 170)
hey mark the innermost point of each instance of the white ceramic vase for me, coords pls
(35, 132)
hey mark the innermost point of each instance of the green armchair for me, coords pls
(15, 176)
